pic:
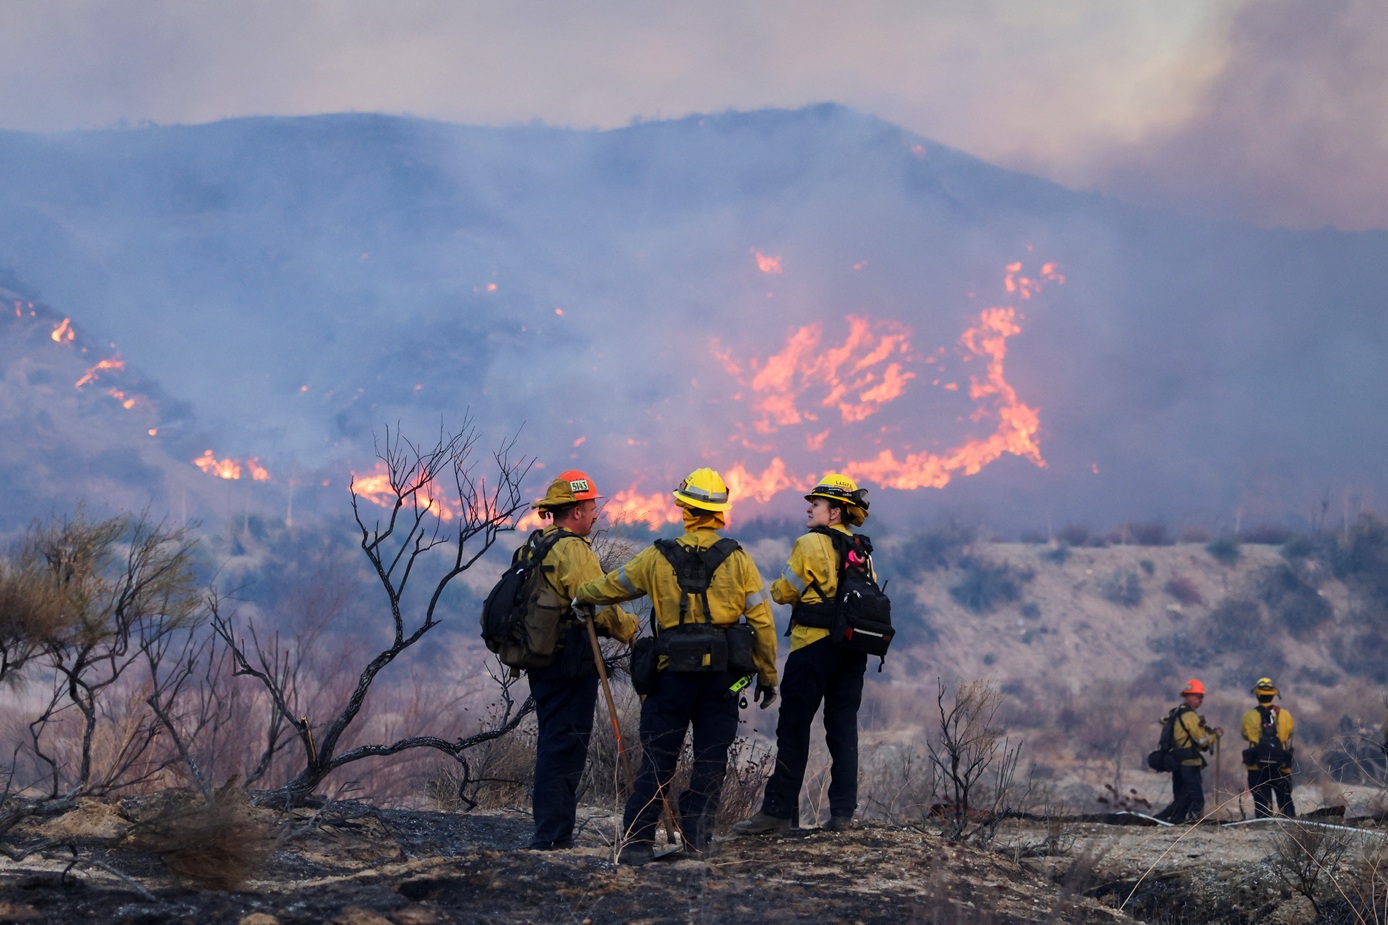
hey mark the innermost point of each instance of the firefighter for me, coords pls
(566, 692)
(1190, 736)
(816, 671)
(701, 698)
(1268, 759)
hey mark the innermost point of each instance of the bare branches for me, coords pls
(969, 745)
(109, 603)
(421, 500)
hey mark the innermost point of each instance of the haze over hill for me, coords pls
(774, 293)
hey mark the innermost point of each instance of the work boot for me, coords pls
(762, 824)
(636, 854)
(838, 824)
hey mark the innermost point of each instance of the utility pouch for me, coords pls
(861, 633)
(694, 647)
(645, 665)
(742, 644)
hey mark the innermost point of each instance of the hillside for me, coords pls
(773, 293)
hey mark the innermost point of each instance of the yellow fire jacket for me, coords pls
(813, 562)
(574, 563)
(1253, 730)
(1191, 732)
(736, 590)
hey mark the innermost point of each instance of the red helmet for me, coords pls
(567, 488)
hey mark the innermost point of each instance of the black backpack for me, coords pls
(522, 613)
(1168, 757)
(1269, 752)
(860, 616)
(702, 647)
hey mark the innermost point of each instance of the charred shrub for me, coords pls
(985, 587)
(938, 548)
(1184, 591)
(1360, 559)
(1148, 534)
(1267, 535)
(1059, 554)
(1078, 535)
(1293, 603)
(1236, 625)
(1121, 587)
(1363, 652)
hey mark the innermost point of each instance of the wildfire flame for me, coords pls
(63, 333)
(375, 486)
(821, 383)
(767, 264)
(231, 468)
(111, 365)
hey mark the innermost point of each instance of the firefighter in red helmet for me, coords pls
(1190, 736)
(566, 692)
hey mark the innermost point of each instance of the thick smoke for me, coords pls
(1290, 132)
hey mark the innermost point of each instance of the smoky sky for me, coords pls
(1290, 132)
(1253, 110)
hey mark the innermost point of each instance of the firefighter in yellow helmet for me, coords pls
(1189, 737)
(692, 686)
(566, 692)
(817, 671)
(1268, 759)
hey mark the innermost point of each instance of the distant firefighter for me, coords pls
(1268, 729)
(1185, 735)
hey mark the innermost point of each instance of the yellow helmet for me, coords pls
(840, 488)
(704, 490)
(1265, 686)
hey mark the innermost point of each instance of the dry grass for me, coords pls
(216, 843)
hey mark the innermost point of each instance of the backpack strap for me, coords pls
(682, 558)
(815, 615)
(537, 547)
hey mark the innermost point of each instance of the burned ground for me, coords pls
(356, 864)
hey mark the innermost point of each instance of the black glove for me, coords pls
(766, 696)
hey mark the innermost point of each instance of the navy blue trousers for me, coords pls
(564, 711)
(681, 700)
(1187, 794)
(1267, 784)
(820, 672)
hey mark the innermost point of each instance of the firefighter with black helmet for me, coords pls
(684, 695)
(1268, 759)
(566, 692)
(816, 671)
(1189, 737)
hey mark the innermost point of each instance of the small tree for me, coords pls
(436, 501)
(968, 747)
(100, 613)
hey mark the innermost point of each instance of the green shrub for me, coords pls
(1121, 588)
(986, 587)
(1225, 550)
